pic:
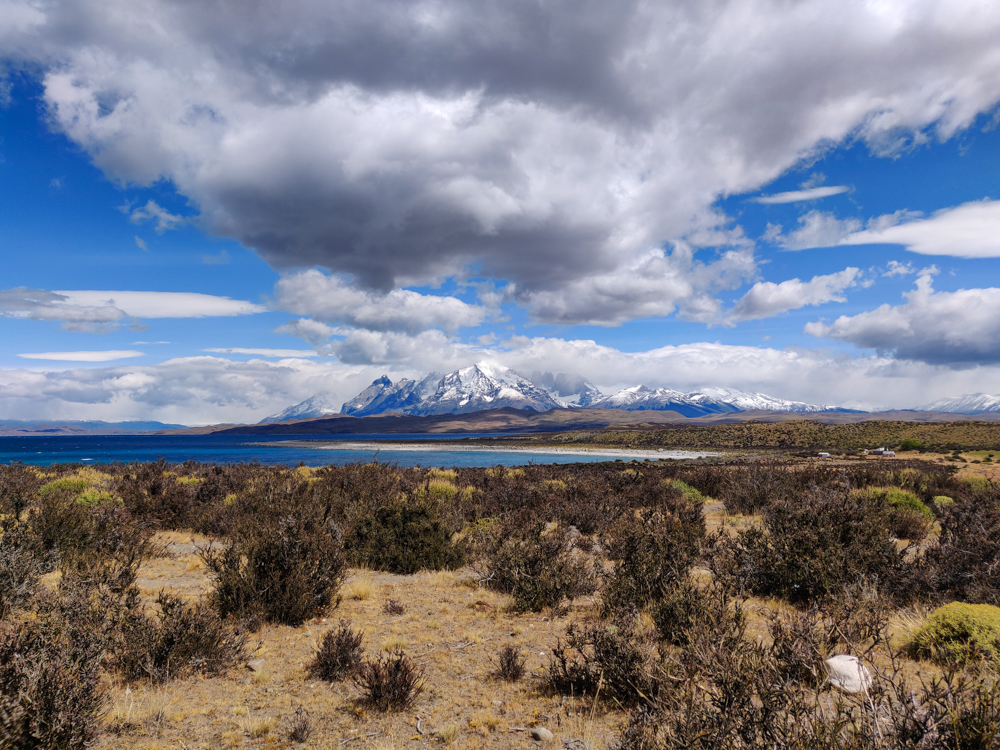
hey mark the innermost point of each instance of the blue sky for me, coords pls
(208, 214)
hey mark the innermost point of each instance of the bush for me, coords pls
(911, 444)
(538, 567)
(509, 664)
(959, 634)
(652, 549)
(751, 488)
(51, 692)
(908, 517)
(962, 564)
(181, 639)
(602, 658)
(390, 683)
(403, 538)
(20, 570)
(812, 548)
(284, 571)
(682, 609)
(339, 654)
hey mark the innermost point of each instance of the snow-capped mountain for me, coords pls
(745, 401)
(317, 406)
(483, 386)
(385, 397)
(970, 403)
(700, 402)
(487, 386)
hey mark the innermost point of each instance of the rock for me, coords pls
(573, 533)
(541, 734)
(848, 674)
(257, 665)
(498, 703)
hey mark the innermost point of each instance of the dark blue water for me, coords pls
(266, 450)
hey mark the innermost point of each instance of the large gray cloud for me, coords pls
(546, 143)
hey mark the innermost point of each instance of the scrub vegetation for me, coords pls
(628, 605)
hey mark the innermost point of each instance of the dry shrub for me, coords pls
(151, 491)
(179, 640)
(284, 570)
(509, 664)
(300, 726)
(393, 607)
(538, 568)
(403, 538)
(810, 548)
(750, 488)
(339, 654)
(652, 550)
(390, 682)
(963, 564)
(51, 694)
(601, 659)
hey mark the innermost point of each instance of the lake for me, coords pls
(293, 449)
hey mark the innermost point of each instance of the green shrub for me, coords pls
(942, 501)
(908, 518)
(910, 444)
(64, 486)
(689, 492)
(403, 538)
(959, 634)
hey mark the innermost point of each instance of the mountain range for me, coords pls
(487, 386)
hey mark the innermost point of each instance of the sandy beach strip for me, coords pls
(612, 453)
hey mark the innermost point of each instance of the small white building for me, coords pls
(888, 454)
(824, 455)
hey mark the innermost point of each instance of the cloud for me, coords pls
(816, 229)
(655, 285)
(898, 269)
(551, 145)
(164, 219)
(310, 330)
(971, 230)
(212, 389)
(766, 298)
(265, 352)
(809, 194)
(332, 300)
(163, 304)
(105, 356)
(104, 311)
(141, 244)
(958, 328)
(41, 304)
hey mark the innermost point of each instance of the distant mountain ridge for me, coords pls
(487, 386)
(970, 403)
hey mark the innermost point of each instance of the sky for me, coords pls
(212, 210)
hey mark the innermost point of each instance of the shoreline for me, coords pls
(612, 453)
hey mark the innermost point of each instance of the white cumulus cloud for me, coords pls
(959, 328)
(766, 298)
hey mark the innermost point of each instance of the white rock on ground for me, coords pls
(541, 734)
(848, 674)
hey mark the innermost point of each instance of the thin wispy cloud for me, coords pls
(265, 352)
(796, 196)
(84, 356)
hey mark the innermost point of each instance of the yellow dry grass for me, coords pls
(451, 628)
